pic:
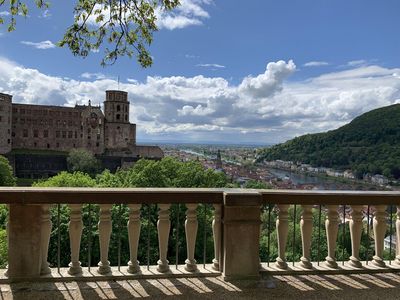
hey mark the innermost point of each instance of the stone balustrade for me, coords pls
(236, 227)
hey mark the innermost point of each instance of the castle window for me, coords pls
(64, 134)
(22, 111)
(98, 136)
(70, 134)
(126, 108)
(58, 145)
(9, 141)
(74, 146)
(13, 134)
(35, 133)
(118, 108)
(70, 123)
(51, 122)
(1, 118)
(57, 134)
(118, 116)
(126, 118)
(22, 121)
(97, 144)
(45, 133)
(15, 110)
(48, 146)
(88, 137)
(35, 144)
(25, 132)
(1, 107)
(76, 135)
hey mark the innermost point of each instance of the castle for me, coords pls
(55, 128)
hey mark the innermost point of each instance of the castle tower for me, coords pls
(5, 123)
(116, 107)
(120, 135)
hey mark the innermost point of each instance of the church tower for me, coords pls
(120, 135)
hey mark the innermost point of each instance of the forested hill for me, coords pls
(368, 144)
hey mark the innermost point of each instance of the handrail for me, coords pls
(54, 195)
(18, 195)
(323, 197)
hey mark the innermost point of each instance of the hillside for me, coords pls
(370, 143)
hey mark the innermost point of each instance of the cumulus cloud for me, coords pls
(356, 63)
(316, 64)
(43, 45)
(189, 13)
(97, 76)
(262, 108)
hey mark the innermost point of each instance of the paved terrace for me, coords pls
(361, 286)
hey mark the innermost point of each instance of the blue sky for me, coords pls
(253, 71)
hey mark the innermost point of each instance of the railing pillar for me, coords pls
(355, 224)
(379, 226)
(332, 227)
(191, 225)
(105, 227)
(306, 236)
(398, 235)
(75, 228)
(282, 229)
(163, 228)
(241, 235)
(133, 235)
(216, 228)
(45, 238)
(24, 241)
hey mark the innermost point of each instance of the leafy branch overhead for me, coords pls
(123, 27)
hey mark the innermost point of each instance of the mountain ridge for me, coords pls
(370, 143)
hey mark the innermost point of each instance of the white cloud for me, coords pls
(211, 66)
(40, 45)
(45, 14)
(4, 13)
(97, 76)
(356, 63)
(262, 108)
(316, 64)
(189, 13)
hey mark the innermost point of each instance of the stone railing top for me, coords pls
(25, 195)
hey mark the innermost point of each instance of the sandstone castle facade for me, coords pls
(42, 127)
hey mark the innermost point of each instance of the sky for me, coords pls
(256, 71)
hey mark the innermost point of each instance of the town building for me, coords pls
(40, 128)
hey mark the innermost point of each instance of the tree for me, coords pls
(6, 173)
(83, 161)
(127, 26)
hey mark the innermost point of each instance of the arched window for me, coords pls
(118, 116)
(118, 108)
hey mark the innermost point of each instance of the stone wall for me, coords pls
(5, 123)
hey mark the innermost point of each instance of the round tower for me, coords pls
(116, 107)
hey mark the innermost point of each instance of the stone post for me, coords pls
(24, 241)
(306, 236)
(241, 235)
(331, 226)
(379, 226)
(163, 228)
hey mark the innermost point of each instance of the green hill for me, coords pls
(368, 144)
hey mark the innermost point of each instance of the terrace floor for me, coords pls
(363, 286)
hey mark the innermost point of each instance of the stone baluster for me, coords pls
(355, 224)
(216, 228)
(45, 238)
(75, 228)
(398, 235)
(104, 238)
(191, 225)
(282, 229)
(306, 236)
(163, 228)
(331, 227)
(379, 226)
(133, 235)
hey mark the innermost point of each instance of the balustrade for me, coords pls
(234, 227)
